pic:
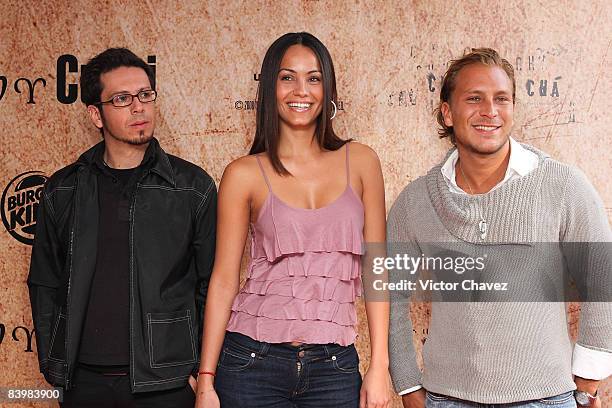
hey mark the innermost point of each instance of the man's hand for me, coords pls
(597, 403)
(193, 383)
(590, 386)
(415, 399)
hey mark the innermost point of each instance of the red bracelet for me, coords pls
(206, 372)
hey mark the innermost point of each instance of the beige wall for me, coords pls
(206, 56)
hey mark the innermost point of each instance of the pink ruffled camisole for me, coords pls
(304, 273)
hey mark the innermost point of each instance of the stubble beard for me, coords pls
(472, 148)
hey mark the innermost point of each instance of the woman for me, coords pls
(310, 199)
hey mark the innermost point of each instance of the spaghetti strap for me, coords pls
(263, 173)
(348, 175)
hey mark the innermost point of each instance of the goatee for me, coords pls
(142, 139)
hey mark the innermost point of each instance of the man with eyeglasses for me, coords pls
(123, 253)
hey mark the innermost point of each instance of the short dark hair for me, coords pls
(486, 56)
(267, 128)
(112, 58)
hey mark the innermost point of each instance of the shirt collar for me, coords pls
(521, 162)
(448, 169)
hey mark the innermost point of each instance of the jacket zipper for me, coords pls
(131, 298)
(131, 237)
(71, 253)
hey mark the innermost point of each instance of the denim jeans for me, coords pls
(565, 400)
(254, 374)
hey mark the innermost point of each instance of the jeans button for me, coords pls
(253, 355)
(334, 358)
(301, 354)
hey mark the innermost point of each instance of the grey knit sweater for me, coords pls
(507, 351)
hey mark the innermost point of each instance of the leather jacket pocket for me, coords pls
(171, 340)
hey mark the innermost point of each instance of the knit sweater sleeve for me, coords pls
(587, 243)
(404, 370)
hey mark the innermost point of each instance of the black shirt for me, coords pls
(105, 337)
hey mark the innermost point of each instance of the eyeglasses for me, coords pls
(126, 99)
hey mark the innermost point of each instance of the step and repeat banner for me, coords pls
(389, 58)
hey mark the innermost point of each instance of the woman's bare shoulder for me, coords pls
(243, 170)
(363, 155)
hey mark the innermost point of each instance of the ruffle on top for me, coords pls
(277, 331)
(284, 230)
(339, 265)
(288, 308)
(307, 287)
(304, 274)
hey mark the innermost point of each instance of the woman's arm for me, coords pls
(375, 388)
(232, 227)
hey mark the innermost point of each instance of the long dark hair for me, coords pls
(267, 131)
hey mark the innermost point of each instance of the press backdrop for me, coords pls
(389, 57)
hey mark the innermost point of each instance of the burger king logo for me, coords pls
(20, 201)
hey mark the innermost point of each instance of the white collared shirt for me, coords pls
(521, 163)
(586, 362)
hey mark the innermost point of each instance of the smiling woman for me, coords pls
(299, 91)
(289, 54)
(287, 337)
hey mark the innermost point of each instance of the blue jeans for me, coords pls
(565, 400)
(254, 374)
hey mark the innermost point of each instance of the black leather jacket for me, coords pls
(172, 244)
